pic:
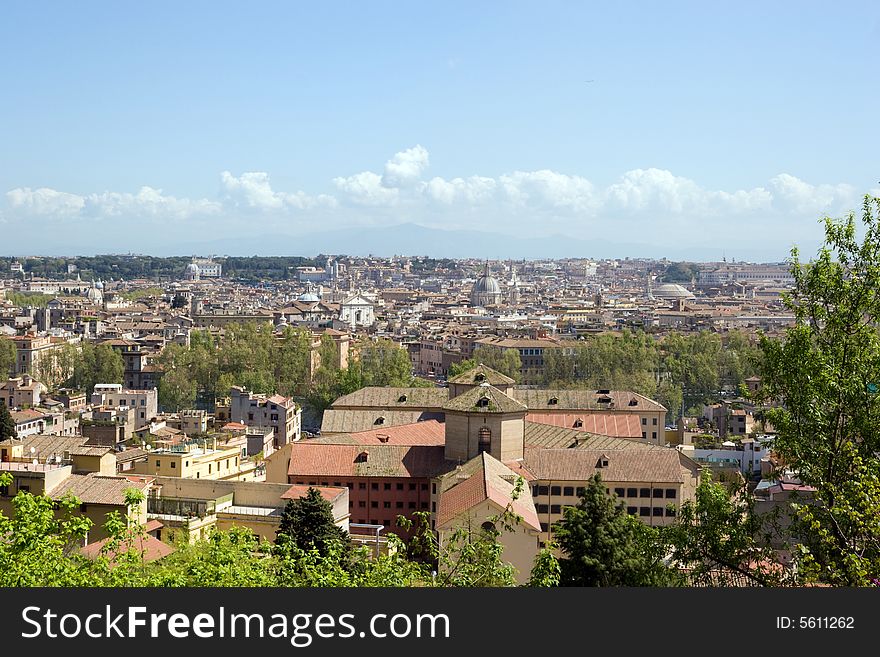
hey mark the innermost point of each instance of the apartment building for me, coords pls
(145, 402)
(280, 413)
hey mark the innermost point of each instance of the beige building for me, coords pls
(197, 507)
(197, 460)
(21, 391)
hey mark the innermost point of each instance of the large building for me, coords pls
(458, 454)
(486, 290)
(281, 414)
(144, 402)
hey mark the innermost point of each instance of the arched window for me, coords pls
(488, 527)
(483, 402)
(379, 420)
(485, 439)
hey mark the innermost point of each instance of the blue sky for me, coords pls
(665, 123)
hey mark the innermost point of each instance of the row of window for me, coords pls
(362, 504)
(645, 421)
(362, 485)
(570, 491)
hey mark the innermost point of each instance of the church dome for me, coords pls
(95, 295)
(486, 290)
(672, 291)
(308, 297)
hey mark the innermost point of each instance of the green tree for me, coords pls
(308, 524)
(39, 541)
(824, 377)
(720, 539)
(7, 357)
(7, 424)
(96, 364)
(604, 546)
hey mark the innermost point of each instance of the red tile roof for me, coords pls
(320, 459)
(151, 548)
(429, 432)
(297, 491)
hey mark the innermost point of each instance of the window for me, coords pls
(413, 486)
(485, 439)
(568, 491)
(658, 511)
(620, 492)
(374, 504)
(362, 504)
(644, 510)
(631, 492)
(653, 435)
(386, 505)
(399, 486)
(483, 402)
(644, 421)
(173, 465)
(424, 486)
(387, 487)
(158, 463)
(336, 483)
(411, 505)
(433, 507)
(555, 490)
(362, 485)
(654, 421)
(545, 527)
(644, 492)
(632, 510)
(186, 464)
(209, 468)
(670, 511)
(644, 434)
(670, 493)
(424, 505)
(373, 521)
(543, 490)
(374, 486)
(579, 491)
(555, 508)
(542, 508)
(398, 505)
(658, 492)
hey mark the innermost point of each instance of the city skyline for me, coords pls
(640, 131)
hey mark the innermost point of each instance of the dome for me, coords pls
(308, 297)
(486, 290)
(672, 291)
(192, 272)
(95, 295)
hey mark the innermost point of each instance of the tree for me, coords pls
(308, 524)
(720, 539)
(96, 364)
(605, 546)
(7, 357)
(7, 424)
(824, 376)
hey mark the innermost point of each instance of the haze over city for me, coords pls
(676, 130)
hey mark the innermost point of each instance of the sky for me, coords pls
(686, 125)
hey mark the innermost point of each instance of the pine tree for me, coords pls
(7, 424)
(307, 523)
(604, 546)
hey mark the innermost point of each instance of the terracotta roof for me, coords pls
(638, 465)
(297, 491)
(484, 478)
(574, 400)
(430, 432)
(626, 425)
(490, 376)
(151, 548)
(394, 398)
(346, 420)
(471, 401)
(95, 489)
(308, 459)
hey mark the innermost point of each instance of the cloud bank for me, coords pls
(651, 204)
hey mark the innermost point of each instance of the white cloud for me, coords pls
(252, 189)
(650, 204)
(366, 188)
(791, 193)
(406, 167)
(45, 201)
